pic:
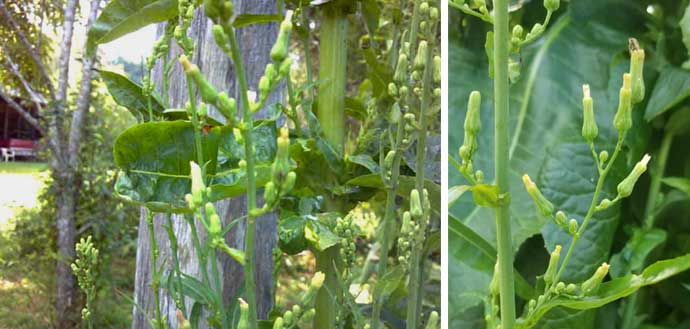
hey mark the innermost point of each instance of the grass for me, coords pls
(22, 167)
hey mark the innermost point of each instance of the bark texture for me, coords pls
(256, 42)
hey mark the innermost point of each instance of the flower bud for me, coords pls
(415, 204)
(560, 287)
(392, 89)
(603, 156)
(591, 285)
(264, 87)
(437, 69)
(424, 8)
(215, 226)
(518, 31)
(604, 204)
(220, 36)
(278, 323)
(270, 193)
(432, 323)
(243, 323)
(623, 118)
(544, 206)
(226, 105)
(433, 14)
(551, 270)
(636, 71)
(473, 119)
(494, 288)
(280, 48)
(285, 66)
(561, 219)
(207, 91)
(572, 226)
(626, 186)
(289, 183)
(420, 59)
(198, 186)
(552, 5)
(288, 316)
(317, 280)
(479, 175)
(570, 288)
(400, 75)
(589, 123)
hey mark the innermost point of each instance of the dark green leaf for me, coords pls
(680, 183)
(672, 86)
(120, 17)
(291, 239)
(364, 160)
(319, 235)
(405, 185)
(633, 256)
(129, 94)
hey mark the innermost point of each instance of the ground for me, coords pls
(21, 182)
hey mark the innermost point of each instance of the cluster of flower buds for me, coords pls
(281, 63)
(282, 178)
(226, 105)
(160, 50)
(84, 268)
(347, 230)
(220, 11)
(296, 314)
(414, 224)
(186, 9)
(472, 126)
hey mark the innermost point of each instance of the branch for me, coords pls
(32, 51)
(84, 96)
(36, 97)
(26, 115)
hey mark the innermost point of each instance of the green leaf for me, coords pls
(129, 94)
(291, 239)
(264, 136)
(487, 195)
(685, 30)
(319, 235)
(632, 257)
(250, 19)
(455, 192)
(154, 158)
(364, 160)
(619, 288)
(672, 86)
(680, 183)
(389, 282)
(120, 17)
(405, 185)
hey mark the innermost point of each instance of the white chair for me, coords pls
(7, 154)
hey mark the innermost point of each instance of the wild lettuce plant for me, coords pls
(317, 171)
(551, 289)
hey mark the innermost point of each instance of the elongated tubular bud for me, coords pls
(437, 69)
(281, 164)
(589, 123)
(473, 119)
(637, 71)
(280, 48)
(226, 105)
(561, 219)
(626, 186)
(198, 186)
(421, 58)
(289, 183)
(207, 91)
(572, 226)
(432, 323)
(493, 285)
(270, 193)
(415, 204)
(220, 37)
(591, 285)
(244, 315)
(278, 323)
(544, 206)
(550, 273)
(623, 118)
(400, 75)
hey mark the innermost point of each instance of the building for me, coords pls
(18, 138)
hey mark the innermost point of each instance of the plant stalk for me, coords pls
(154, 270)
(501, 96)
(655, 185)
(248, 125)
(331, 115)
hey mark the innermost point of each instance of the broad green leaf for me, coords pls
(230, 151)
(154, 158)
(389, 282)
(672, 86)
(405, 185)
(319, 235)
(680, 183)
(633, 255)
(120, 17)
(619, 288)
(455, 192)
(250, 19)
(129, 94)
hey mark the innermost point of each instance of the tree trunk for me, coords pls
(256, 42)
(65, 301)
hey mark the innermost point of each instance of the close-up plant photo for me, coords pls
(569, 182)
(220, 164)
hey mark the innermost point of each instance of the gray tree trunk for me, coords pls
(255, 42)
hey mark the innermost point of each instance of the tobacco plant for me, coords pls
(317, 171)
(552, 288)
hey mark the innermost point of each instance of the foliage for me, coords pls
(546, 143)
(324, 183)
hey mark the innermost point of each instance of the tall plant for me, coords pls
(317, 171)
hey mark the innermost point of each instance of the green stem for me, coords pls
(388, 225)
(501, 94)
(179, 299)
(154, 270)
(332, 73)
(655, 185)
(247, 127)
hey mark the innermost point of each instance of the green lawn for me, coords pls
(22, 167)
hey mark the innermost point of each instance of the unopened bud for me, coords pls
(544, 206)
(589, 123)
(572, 226)
(551, 270)
(317, 280)
(625, 187)
(415, 204)
(400, 75)
(623, 118)
(552, 5)
(561, 219)
(636, 71)
(592, 284)
(421, 58)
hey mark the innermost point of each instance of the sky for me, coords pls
(132, 47)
